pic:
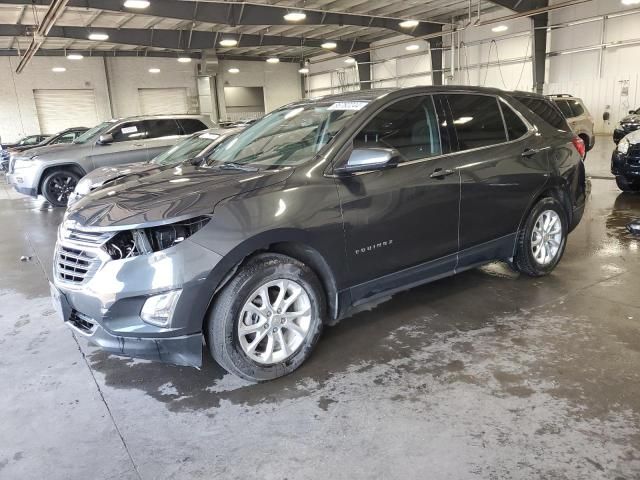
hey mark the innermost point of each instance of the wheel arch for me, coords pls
(293, 243)
(74, 167)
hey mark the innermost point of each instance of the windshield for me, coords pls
(186, 149)
(286, 137)
(92, 132)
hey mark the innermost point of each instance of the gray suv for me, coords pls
(578, 117)
(54, 171)
(317, 208)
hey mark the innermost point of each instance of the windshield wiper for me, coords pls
(236, 166)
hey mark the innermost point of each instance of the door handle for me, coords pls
(530, 152)
(441, 173)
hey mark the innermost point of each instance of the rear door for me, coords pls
(502, 166)
(162, 134)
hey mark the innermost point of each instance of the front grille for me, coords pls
(74, 265)
(81, 321)
(87, 238)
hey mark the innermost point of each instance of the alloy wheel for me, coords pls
(61, 186)
(546, 237)
(275, 321)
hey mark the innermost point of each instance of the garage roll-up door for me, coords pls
(163, 101)
(60, 109)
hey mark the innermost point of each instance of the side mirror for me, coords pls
(632, 112)
(105, 139)
(196, 161)
(367, 159)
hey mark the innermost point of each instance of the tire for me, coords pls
(627, 185)
(58, 185)
(242, 300)
(530, 258)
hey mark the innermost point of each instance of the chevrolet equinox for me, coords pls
(320, 206)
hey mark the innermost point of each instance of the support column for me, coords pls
(436, 60)
(364, 69)
(540, 24)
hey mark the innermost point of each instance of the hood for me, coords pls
(632, 118)
(131, 171)
(167, 196)
(52, 150)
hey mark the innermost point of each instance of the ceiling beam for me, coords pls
(521, 6)
(48, 52)
(242, 13)
(177, 39)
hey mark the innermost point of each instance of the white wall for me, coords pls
(18, 114)
(127, 74)
(280, 81)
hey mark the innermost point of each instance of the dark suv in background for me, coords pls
(320, 206)
(628, 124)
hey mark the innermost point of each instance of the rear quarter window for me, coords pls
(546, 110)
(576, 107)
(564, 107)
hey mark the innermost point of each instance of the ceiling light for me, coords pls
(184, 59)
(295, 16)
(228, 42)
(273, 60)
(75, 56)
(412, 48)
(350, 60)
(234, 70)
(329, 45)
(98, 36)
(154, 70)
(409, 23)
(303, 71)
(500, 28)
(630, 2)
(58, 69)
(137, 4)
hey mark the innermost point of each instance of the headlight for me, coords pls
(623, 146)
(83, 187)
(132, 243)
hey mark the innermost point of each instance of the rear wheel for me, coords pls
(266, 321)
(627, 185)
(542, 240)
(58, 185)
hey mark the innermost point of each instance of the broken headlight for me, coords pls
(143, 241)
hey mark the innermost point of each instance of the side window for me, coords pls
(515, 126)
(576, 108)
(191, 125)
(477, 120)
(66, 138)
(546, 110)
(165, 127)
(410, 126)
(564, 107)
(129, 131)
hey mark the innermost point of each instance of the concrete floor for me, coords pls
(485, 375)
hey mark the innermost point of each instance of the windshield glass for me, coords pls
(186, 149)
(286, 137)
(92, 132)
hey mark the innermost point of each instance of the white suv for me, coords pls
(578, 117)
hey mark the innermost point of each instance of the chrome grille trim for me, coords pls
(79, 254)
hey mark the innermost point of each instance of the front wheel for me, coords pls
(542, 240)
(627, 185)
(58, 185)
(267, 319)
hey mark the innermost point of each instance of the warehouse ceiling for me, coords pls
(177, 26)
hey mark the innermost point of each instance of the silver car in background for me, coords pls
(578, 117)
(54, 171)
(193, 147)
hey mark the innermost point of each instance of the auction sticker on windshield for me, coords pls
(353, 106)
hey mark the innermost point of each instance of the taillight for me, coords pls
(580, 147)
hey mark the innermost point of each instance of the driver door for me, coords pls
(401, 223)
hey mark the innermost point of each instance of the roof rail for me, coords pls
(568, 95)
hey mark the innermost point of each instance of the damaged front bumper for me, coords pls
(103, 303)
